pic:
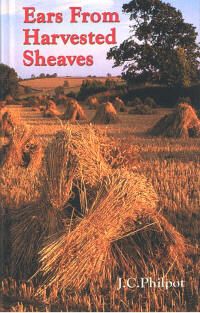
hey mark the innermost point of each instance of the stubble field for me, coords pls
(173, 167)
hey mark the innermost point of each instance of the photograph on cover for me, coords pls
(99, 155)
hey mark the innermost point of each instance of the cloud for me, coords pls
(12, 7)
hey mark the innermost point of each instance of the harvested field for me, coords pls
(49, 83)
(182, 123)
(74, 112)
(172, 170)
(105, 114)
(40, 86)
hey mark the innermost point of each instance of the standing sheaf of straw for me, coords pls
(90, 253)
(70, 156)
(81, 255)
(85, 146)
(21, 148)
(17, 135)
(20, 159)
(182, 123)
(60, 168)
(74, 112)
(38, 220)
(106, 114)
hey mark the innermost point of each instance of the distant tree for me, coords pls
(8, 81)
(27, 89)
(109, 75)
(135, 102)
(162, 47)
(42, 75)
(90, 87)
(110, 83)
(184, 71)
(59, 90)
(66, 83)
(150, 102)
(54, 75)
(33, 76)
(184, 100)
(72, 94)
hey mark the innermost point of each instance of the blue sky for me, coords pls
(12, 34)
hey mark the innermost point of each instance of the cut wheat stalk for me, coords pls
(19, 145)
(94, 252)
(70, 160)
(119, 105)
(74, 112)
(182, 123)
(84, 145)
(92, 102)
(106, 114)
(51, 109)
(31, 224)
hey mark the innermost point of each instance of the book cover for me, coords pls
(99, 155)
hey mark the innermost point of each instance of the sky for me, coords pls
(12, 35)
